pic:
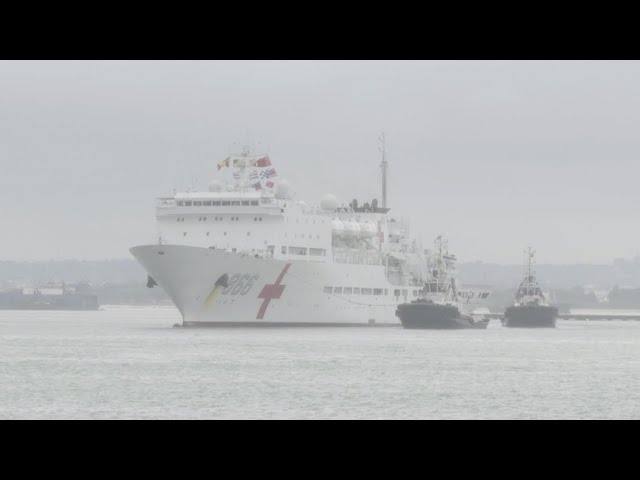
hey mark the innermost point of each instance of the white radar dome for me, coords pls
(329, 202)
(215, 186)
(283, 188)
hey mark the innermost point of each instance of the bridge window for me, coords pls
(356, 290)
(180, 203)
(366, 291)
(259, 219)
(245, 203)
(284, 250)
(235, 203)
(337, 290)
(216, 204)
(184, 234)
(297, 250)
(396, 292)
(226, 203)
(187, 204)
(327, 289)
(207, 234)
(347, 290)
(206, 204)
(404, 292)
(197, 204)
(318, 252)
(254, 203)
(248, 234)
(377, 291)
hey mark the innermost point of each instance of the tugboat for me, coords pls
(530, 308)
(440, 306)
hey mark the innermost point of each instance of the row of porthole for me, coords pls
(306, 221)
(224, 203)
(355, 291)
(295, 235)
(184, 234)
(368, 291)
(219, 219)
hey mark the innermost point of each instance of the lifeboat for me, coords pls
(337, 227)
(351, 228)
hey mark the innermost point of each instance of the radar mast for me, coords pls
(383, 167)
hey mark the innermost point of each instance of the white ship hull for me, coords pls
(273, 292)
(268, 292)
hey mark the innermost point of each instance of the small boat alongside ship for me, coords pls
(440, 306)
(530, 308)
(426, 314)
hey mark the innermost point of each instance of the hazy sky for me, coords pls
(495, 155)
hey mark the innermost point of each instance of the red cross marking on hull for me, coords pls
(271, 292)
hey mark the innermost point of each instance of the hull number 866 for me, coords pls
(240, 284)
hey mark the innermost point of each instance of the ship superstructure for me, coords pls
(530, 307)
(249, 252)
(441, 283)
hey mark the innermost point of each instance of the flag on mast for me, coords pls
(224, 163)
(263, 162)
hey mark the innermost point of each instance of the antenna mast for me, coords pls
(383, 166)
(530, 253)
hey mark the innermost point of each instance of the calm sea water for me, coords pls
(126, 363)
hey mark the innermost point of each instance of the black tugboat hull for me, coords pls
(530, 316)
(434, 317)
